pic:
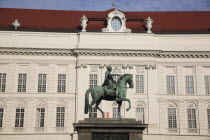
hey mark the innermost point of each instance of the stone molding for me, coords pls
(104, 52)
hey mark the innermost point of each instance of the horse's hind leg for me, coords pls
(119, 109)
(97, 104)
(90, 109)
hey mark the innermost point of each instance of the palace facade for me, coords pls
(49, 58)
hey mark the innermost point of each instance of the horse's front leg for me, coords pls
(129, 103)
(97, 104)
(119, 109)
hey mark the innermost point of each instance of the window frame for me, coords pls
(61, 85)
(19, 117)
(39, 117)
(174, 121)
(170, 90)
(22, 82)
(60, 122)
(2, 117)
(194, 84)
(42, 83)
(3, 82)
(141, 86)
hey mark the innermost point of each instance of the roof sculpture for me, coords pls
(52, 20)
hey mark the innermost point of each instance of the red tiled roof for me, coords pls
(193, 21)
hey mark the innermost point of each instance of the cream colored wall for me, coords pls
(155, 97)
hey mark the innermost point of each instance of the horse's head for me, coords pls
(130, 80)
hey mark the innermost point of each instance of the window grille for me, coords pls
(115, 112)
(61, 82)
(60, 116)
(40, 112)
(94, 112)
(139, 83)
(207, 84)
(19, 119)
(189, 84)
(2, 82)
(140, 115)
(22, 82)
(1, 116)
(208, 115)
(93, 81)
(116, 24)
(42, 82)
(172, 120)
(170, 84)
(191, 113)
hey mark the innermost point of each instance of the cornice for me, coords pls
(104, 52)
(36, 51)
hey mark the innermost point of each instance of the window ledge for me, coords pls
(40, 129)
(173, 130)
(19, 129)
(60, 129)
(192, 130)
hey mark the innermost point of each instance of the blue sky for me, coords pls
(102, 5)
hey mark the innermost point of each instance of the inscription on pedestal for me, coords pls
(110, 136)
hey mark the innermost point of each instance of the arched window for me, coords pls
(192, 117)
(172, 116)
(140, 112)
(208, 116)
(116, 23)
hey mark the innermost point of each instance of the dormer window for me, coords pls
(116, 23)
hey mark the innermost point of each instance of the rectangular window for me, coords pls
(189, 84)
(208, 115)
(116, 77)
(140, 115)
(40, 115)
(139, 83)
(172, 123)
(1, 116)
(19, 119)
(170, 84)
(2, 82)
(42, 82)
(94, 112)
(93, 80)
(22, 82)
(61, 82)
(60, 116)
(114, 112)
(207, 82)
(191, 113)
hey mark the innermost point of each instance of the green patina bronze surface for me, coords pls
(109, 91)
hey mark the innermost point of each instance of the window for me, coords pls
(22, 82)
(139, 83)
(2, 82)
(61, 82)
(94, 112)
(116, 24)
(19, 119)
(140, 115)
(42, 82)
(40, 115)
(115, 112)
(189, 84)
(93, 80)
(116, 77)
(1, 116)
(170, 84)
(191, 113)
(60, 116)
(172, 123)
(208, 115)
(207, 83)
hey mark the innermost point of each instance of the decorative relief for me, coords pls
(117, 69)
(94, 68)
(139, 69)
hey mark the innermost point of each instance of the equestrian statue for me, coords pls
(109, 91)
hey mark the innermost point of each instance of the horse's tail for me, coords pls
(87, 100)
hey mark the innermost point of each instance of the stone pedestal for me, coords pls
(109, 129)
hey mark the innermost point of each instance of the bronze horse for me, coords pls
(98, 94)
